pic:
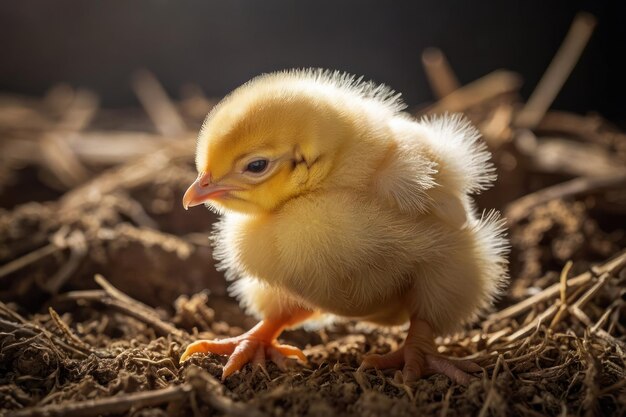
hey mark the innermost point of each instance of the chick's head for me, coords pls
(266, 143)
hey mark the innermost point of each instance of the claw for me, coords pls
(290, 351)
(221, 347)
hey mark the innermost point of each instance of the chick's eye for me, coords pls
(257, 166)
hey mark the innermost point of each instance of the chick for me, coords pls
(335, 202)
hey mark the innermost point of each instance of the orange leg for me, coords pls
(418, 357)
(254, 345)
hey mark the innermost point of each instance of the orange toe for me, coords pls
(245, 351)
(455, 370)
(290, 351)
(220, 347)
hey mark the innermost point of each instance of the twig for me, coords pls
(111, 405)
(546, 372)
(446, 403)
(488, 87)
(120, 296)
(78, 250)
(517, 357)
(92, 148)
(130, 174)
(576, 311)
(583, 127)
(161, 327)
(57, 155)
(519, 208)
(157, 104)
(133, 209)
(27, 259)
(611, 266)
(497, 128)
(194, 102)
(580, 315)
(563, 281)
(61, 161)
(544, 295)
(31, 330)
(491, 393)
(582, 301)
(605, 316)
(569, 156)
(81, 111)
(494, 337)
(211, 391)
(13, 315)
(558, 71)
(440, 75)
(68, 332)
(541, 318)
(603, 334)
(563, 292)
(115, 147)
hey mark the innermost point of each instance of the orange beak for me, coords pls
(202, 190)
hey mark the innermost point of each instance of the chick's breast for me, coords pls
(337, 252)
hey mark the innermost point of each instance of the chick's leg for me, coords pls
(255, 345)
(418, 357)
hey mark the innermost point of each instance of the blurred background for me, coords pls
(218, 45)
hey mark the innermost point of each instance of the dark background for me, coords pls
(220, 44)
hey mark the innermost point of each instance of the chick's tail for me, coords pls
(459, 144)
(491, 248)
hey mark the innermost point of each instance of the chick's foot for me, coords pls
(418, 358)
(254, 346)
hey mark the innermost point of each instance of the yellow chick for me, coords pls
(335, 202)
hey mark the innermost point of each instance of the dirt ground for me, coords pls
(104, 278)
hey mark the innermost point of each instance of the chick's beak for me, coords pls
(203, 189)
